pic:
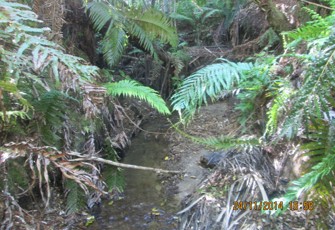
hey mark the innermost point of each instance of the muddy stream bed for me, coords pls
(145, 204)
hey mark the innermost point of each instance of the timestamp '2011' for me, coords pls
(261, 205)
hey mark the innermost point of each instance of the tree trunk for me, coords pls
(277, 19)
(166, 6)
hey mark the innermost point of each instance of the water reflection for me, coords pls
(144, 205)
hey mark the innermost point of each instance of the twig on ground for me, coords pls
(122, 165)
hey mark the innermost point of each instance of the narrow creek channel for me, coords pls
(144, 205)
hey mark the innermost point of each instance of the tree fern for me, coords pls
(132, 88)
(146, 25)
(206, 83)
(36, 79)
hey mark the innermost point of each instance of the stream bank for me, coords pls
(151, 201)
(208, 195)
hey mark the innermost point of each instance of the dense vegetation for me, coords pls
(295, 91)
(56, 115)
(59, 115)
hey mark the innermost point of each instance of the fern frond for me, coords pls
(114, 179)
(75, 197)
(321, 173)
(278, 105)
(315, 95)
(145, 41)
(208, 12)
(100, 13)
(226, 142)
(131, 88)
(221, 142)
(50, 110)
(319, 28)
(113, 45)
(316, 183)
(154, 24)
(178, 64)
(13, 115)
(206, 83)
(181, 17)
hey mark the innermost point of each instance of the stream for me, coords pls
(144, 205)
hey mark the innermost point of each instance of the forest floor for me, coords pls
(197, 181)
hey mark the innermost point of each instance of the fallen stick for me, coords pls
(122, 165)
(190, 206)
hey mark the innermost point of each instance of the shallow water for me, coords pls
(144, 205)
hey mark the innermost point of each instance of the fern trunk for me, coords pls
(277, 19)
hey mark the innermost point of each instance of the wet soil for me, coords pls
(212, 120)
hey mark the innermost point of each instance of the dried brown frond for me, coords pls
(121, 140)
(94, 98)
(52, 13)
(241, 176)
(45, 157)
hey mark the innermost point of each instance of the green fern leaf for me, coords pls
(226, 142)
(50, 110)
(145, 25)
(113, 45)
(154, 24)
(75, 197)
(278, 105)
(145, 41)
(321, 173)
(221, 142)
(100, 13)
(131, 88)
(207, 13)
(14, 115)
(206, 83)
(318, 28)
(181, 17)
(321, 152)
(114, 179)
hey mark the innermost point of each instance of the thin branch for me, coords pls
(122, 165)
(316, 4)
(191, 205)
